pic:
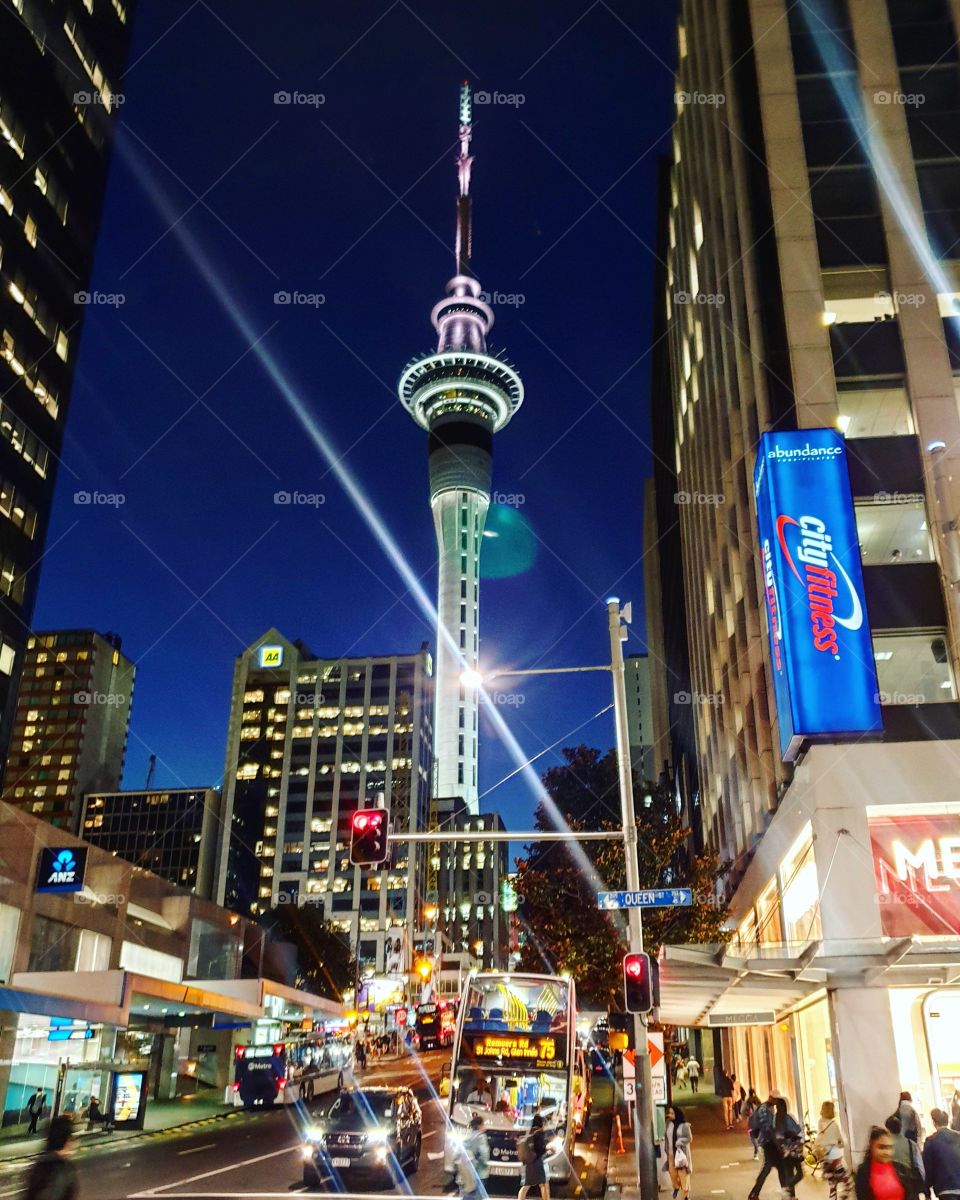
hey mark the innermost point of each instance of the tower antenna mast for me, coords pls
(464, 163)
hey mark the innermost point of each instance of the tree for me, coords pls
(324, 964)
(565, 931)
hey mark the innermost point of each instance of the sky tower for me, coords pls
(461, 395)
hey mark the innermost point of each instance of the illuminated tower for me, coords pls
(461, 395)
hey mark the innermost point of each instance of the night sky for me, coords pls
(353, 199)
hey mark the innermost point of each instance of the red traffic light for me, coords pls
(637, 990)
(368, 837)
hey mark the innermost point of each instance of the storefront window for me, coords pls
(53, 945)
(799, 889)
(818, 1081)
(913, 668)
(769, 926)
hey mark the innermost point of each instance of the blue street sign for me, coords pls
(821, 651)
(653, 898)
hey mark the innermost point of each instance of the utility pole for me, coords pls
(646, 1166)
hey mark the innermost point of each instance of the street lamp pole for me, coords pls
(646, 1167)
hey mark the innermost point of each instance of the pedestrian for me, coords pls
(762, 1136)
(53, 1176)
(788, 1139)
(725, 1091)
(532, 1151)
(677, 1136)
(750, 1106)
(941, 1156)
(905, 1151)
(910, 1124)
(35, 1106)
(739, 1095)
(681, 1074)
(693, 1074)
(476, 1161)
(828, 1148)
(879, 1177)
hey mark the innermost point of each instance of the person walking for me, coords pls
(788, 1141)
(762, 1135)
(828, 1148)
(53, 1176)
(879, 1177)
(910, 1124)
(693, 1074)
(534, 1150)
(739, 1095)
(677, 1136)
(750, 1106)
(476, 1153)
(941, 1156)
(35, 1107)
(725, 1092)
(905, 1151)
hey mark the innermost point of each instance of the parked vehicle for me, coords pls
(375, 1131)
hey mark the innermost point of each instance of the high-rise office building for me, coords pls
(60, 66)
(636, 670)
(173, 832)
(70, 731)
(813, 219)
(462, 395)
(312, 740)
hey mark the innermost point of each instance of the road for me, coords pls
(259, 1154)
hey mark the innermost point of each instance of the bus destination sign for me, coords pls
(536, 1050)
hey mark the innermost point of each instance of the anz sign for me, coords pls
(61, 869)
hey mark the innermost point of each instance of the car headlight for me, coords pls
(378, 1137)
(307, 1152)
(313, 1134)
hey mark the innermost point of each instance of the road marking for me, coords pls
(432, 1133)
(247, 1162)
(197, 1149)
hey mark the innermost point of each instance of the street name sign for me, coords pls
(652, 898)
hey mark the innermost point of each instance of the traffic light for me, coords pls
(637, 987)
(368, 837)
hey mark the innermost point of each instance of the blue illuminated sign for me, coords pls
(825, 679)
(61, 869)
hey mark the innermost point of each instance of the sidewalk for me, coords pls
(162, 1116)
(723, 1163)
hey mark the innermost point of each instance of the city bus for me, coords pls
(515, 1055)
(283, 1072)
(436, 1024)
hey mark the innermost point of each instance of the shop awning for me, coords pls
(42, 1004)
(699, 985)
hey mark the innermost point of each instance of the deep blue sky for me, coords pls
(305, 198)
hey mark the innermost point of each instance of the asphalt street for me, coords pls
(259, 1154)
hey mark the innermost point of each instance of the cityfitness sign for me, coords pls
(825, 680)
(61, 869)
(916, 862)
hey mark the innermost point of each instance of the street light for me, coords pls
(431, 912)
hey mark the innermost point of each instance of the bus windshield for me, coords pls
(535, 1007)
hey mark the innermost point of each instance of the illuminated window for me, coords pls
(30, 229)
(799, 890)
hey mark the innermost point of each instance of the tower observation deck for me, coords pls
(462, 395)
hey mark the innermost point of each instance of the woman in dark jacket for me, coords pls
(535, 1171)
(787, 1147)
(879, 1177)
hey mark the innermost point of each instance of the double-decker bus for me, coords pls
(515, 1056)
(282, 1072)
(436, 1023)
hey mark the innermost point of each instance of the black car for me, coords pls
(370, 1131)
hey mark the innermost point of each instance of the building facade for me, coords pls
(310, 742)
(70, 731)
(60, 66)
(172, 832)
(811, 285)
(636, 670)
(462, 395)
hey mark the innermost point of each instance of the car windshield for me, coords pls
(360, 1107)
